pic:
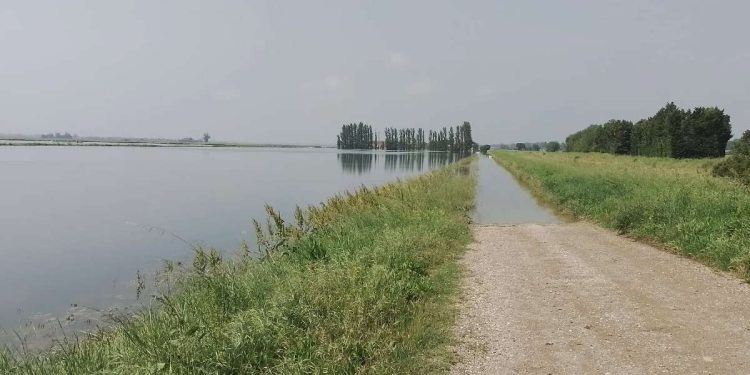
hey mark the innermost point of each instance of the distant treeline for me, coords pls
(446, 139)
(357, 137)
(551, 146)
(404, 139)
(361, 136)
(66, 135)
(671, 132)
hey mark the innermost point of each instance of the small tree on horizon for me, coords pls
(553, 146)
(206, 137)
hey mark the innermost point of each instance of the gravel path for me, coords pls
(578, 299)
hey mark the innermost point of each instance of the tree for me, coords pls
(553, 146)
(742, 145)
(521, 146)
(357, 136)
(671, 132)
(484, 149)
(206, 137)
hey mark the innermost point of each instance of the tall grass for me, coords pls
(364, 283)
(676, 203)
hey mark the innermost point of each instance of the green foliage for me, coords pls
(361, 136)
(553, 146)
(356, 137)
(484, 149)
(447, 139)
(672, 132)
(404, 139)
(364, 283)
(612, 137)
(737, 165)
(673, 202)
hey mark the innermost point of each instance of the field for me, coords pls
(365, 283)
(676, 204)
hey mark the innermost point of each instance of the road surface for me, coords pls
(577, 299)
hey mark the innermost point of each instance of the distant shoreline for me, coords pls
(93, 143)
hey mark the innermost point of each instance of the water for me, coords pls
(501, 200)
(77, 223)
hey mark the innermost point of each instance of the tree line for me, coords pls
(671, 132)
(356, 137)
(448, 139)
(551, 146)
(66, 135)
(361, 136)
(404, 139)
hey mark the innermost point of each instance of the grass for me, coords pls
(365, 283)
(675, 203)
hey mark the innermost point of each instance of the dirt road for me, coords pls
(577, 299)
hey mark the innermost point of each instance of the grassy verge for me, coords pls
(676, 203)
(365, 283)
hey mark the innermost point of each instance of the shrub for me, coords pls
(737, 165)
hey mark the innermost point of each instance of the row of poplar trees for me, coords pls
(357, 137)
(404, 139)
(671, 132)
(361, 136)
(446, 139)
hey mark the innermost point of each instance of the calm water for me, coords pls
(77, 223)
(501, 200)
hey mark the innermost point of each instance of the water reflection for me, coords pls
(357, 163)
(65, 281)
(414, 162)
(411, 161)
(439, 159)
(501, 200)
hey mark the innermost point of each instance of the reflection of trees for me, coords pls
(440, 159)
(409, 161)
(363, 162)
(357, 162)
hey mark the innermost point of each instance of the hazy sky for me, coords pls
(284, 71)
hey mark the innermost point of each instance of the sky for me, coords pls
(295, 71)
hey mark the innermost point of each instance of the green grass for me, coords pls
(675, 203)
(365, 283)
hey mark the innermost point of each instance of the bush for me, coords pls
(737, 165)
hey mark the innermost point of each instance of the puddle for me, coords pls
(502, 200)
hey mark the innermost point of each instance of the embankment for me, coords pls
(674, 203)
(364, 283)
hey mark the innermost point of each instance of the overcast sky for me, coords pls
(283, 71)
